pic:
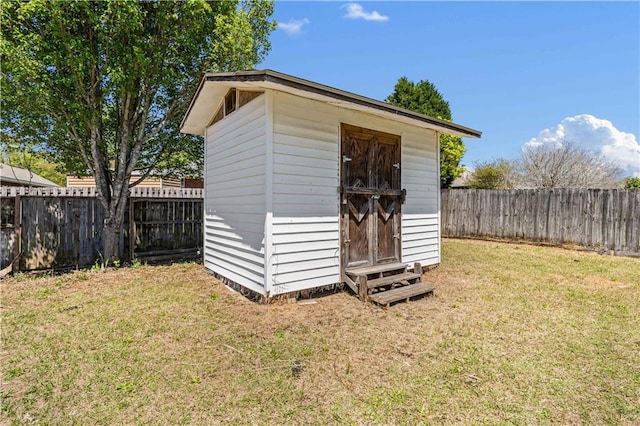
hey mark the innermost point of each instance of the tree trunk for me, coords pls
(112, 229)
(110, 241)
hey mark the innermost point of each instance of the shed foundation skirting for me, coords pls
(248, 293)
(254, 296)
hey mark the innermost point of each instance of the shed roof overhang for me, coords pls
(214, 86)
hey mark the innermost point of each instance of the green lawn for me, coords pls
(514, 334)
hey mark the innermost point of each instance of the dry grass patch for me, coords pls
(514, 334)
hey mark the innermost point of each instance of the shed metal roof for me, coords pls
(213, 87)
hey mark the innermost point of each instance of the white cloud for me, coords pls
(294, 26)
(597, 135)
(356, 11)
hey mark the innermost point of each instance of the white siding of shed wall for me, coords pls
(306, 178)
(421, 212)
(235, 196)
(306, 175)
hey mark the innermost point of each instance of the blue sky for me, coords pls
(521, 72)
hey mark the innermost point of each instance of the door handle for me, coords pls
(375, 196)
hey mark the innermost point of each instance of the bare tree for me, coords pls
(567, 165)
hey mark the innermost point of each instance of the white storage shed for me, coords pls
(308, 186)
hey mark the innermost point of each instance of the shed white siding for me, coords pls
(234, 221)
(306, 177)
(421, 212)
(306, 181)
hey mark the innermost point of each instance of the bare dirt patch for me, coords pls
(601, 282)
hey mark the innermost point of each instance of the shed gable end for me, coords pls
(233, 100)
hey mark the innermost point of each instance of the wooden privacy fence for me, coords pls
(607, 220)
(60, 227)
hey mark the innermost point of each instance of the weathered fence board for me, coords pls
(60, 227)
(55, 232)
(606, 220)
(166, 226)
(8, 231)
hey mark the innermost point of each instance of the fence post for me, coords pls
(17, 224)
(132, 230)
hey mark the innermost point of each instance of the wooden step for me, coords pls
(396, 278)
(376, 269)
(400, 293)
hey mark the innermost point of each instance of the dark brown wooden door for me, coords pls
(371, 197)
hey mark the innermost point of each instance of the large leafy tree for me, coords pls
(104, 84)
(423, 97)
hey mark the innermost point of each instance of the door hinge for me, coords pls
(396, 236)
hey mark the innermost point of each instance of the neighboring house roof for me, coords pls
(462, 181)
(16, 176)
(213, 87)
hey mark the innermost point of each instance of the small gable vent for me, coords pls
(233, 100)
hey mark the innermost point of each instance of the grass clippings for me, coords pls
(514, 334)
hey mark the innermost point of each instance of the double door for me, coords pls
(371, 197)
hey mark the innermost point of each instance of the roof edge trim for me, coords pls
(321, 89)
